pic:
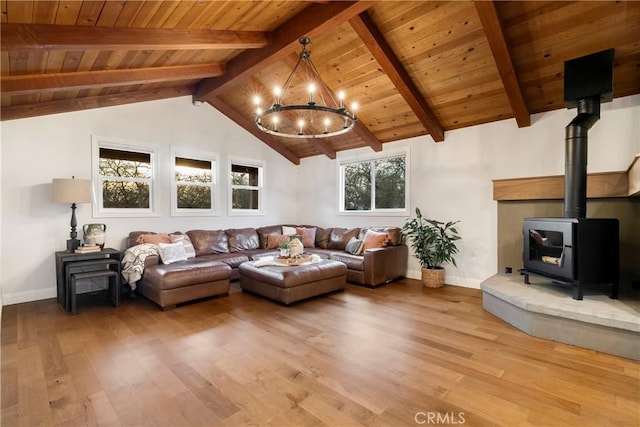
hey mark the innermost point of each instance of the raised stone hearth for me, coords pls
(548, 311)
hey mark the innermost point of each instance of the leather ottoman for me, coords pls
(288, 284)
(171, 284)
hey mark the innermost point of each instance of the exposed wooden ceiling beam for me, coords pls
(248, 125)
(17, 37)
(323, 146)
(367, 136)
(391, 65)
(26, 84)
(76, 104)
(313, 20)
(498, 44)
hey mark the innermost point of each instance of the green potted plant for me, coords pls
(434, 244)
(284, 248)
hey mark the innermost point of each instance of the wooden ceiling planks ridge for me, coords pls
(384, 55)
(310, 21)
(468, 63)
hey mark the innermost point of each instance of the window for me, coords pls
(246, 191)
(194, 184)
(123, 178)
(375, 186)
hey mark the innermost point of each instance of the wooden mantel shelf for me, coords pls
(599, 185)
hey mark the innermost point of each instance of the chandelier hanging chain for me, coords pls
(317, 78)
(297, 120)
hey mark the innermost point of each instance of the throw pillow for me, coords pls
(154, 239)
(339, 237)
(186, 242)
(171, 252)
(288, 231)
(374, 239)
(354, 246)
(308, 236)
(275, 240)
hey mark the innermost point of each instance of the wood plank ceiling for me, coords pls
(416, 68)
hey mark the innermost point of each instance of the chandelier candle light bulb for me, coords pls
(312, 89)
(277, 92)
(341, 97)
(318, 116)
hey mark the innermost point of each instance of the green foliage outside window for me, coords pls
(357, 186)
(194, 179)
(245, 193)
(375, 184)
(128, 182)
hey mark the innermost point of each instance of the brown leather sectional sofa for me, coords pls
(219, 253)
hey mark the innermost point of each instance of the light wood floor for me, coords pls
(399, 355)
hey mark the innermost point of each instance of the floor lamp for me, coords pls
(72, 191)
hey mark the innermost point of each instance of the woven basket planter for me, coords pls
(433, 277)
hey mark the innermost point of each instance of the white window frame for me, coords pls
(375, 212)
(215, 190)
(261, 166)
(99, 211)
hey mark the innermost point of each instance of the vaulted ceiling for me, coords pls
(416, 68)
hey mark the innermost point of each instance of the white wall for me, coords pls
(452, 180)
(36, 150)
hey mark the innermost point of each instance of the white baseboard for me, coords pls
(27, 296)
(464, 282)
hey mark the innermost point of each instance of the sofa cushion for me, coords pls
(241, 239)
(308, 236)
(375, 239)
(171, 252)
(132, 240)
(232, 259)
(263, 232)
(256, 254)
(288, 230)
(322, 237)
(185, 241)
(353, 262)
(186, 273)
(274, 241)
(395, 234)
(207, 242)
(154, 238)
(354, 246)
(339, 237)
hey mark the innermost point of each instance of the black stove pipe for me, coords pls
(575, 166)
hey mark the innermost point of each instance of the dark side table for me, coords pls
(66, 259)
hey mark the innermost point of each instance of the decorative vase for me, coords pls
(295, 247)
(284, 253)
(433, 277)
(95, 234)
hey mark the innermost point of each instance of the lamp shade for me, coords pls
(71, 190)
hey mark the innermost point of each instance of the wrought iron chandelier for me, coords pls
(321, 116)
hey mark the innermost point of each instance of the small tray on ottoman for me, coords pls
(303, 259)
